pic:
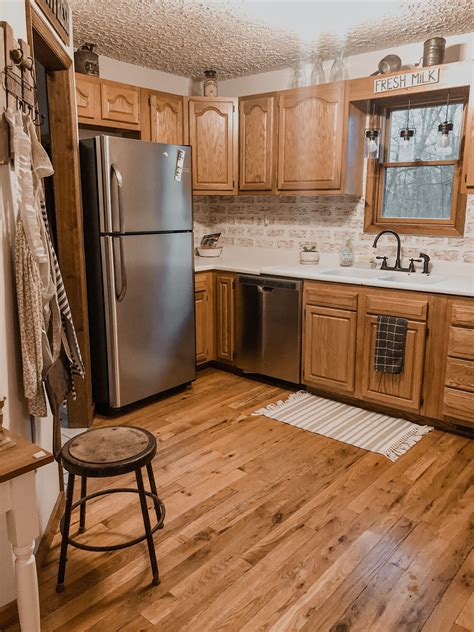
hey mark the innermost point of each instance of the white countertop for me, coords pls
(445, 278)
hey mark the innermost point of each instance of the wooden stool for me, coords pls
(104, 452)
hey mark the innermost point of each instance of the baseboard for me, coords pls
(8, 614)
(51, 529)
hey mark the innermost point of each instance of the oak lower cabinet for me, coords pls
(458, 396)
(211, 126)
(330, 337)
(225, 317)
(257, 142)
(401, 390)
(204, 314)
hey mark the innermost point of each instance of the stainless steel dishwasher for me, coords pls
(269, 327)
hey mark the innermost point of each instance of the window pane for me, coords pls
(425, 121)
(418, 192)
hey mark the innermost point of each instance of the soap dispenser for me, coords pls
(346, 256)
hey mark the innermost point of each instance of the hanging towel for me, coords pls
(390, 344)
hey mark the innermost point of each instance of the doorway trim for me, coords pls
(67, 193)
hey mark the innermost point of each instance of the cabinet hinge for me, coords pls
(233, 108)
(422, 401)
(427, 331)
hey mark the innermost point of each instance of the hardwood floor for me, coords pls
(273, 528)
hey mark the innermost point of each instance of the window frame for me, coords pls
(376, 172)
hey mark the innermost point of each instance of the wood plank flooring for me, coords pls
(273, 528)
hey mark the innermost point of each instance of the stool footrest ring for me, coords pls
(124, 545)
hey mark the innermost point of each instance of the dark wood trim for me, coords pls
(67, 194)
(52, 54)
(373, 222)
(69, 225)
(54, 21)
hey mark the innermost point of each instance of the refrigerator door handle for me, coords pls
(115, 172)
(119, 293)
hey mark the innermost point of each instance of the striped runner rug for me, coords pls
(379, 433)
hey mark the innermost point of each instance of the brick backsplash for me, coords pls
(289, 222)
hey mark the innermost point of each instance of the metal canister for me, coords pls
(433, 51)
(86, 60)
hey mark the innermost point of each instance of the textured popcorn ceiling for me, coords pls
(238, 38)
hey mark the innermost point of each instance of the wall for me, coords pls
(458, 48)
(144, 77)
(288, 222)
(16, 418)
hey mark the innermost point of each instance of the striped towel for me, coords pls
(390, 344)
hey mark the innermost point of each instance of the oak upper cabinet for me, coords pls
(107, 103)
(329, 337)
(204, 308)
(166, 118)
(257, 143)
(225, 317)
(401, 390)
(120, 103)
(310, 137)
(211, 130)
(87, 97)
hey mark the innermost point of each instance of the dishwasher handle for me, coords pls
(264, 288)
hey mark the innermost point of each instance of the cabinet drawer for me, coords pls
(327, 295)
(459, 405)
(402, 306)
(460, 374)
(201, 282)
(462, 315)
(461, 343)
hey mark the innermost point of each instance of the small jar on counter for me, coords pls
(346, 256)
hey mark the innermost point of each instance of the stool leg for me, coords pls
(146, 522)
(65, 534)
(82, 510)
(151, 478)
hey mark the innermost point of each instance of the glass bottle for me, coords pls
(338, 69)
(318, 76)
(299, 75)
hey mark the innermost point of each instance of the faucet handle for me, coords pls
(384, 262)
(411, 267)
(426, 262)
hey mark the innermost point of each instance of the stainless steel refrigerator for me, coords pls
(137, 204)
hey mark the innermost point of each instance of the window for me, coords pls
(415, 186)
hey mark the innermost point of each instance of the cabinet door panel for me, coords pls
(225, 321)
(166, 112)
(211, 135)
(257, 143)
(87, 98)
(402, 390)
(329, 348)
(310, 138)
(459, 405)
(120, 103)
(461, 343)
(460, 374)
(201, 301)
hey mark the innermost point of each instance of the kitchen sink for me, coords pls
(352, 272)
(407, 278)
(386, 275)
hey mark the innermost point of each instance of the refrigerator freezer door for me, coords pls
(149, 184)
(150, 325)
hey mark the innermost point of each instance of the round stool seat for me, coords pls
(108, 451)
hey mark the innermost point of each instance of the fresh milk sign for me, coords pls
(407, 80)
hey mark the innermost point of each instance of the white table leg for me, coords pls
(23, 528)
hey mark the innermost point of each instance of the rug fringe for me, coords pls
(271, 408)
(407, 441)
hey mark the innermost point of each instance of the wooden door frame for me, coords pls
(67, 194)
